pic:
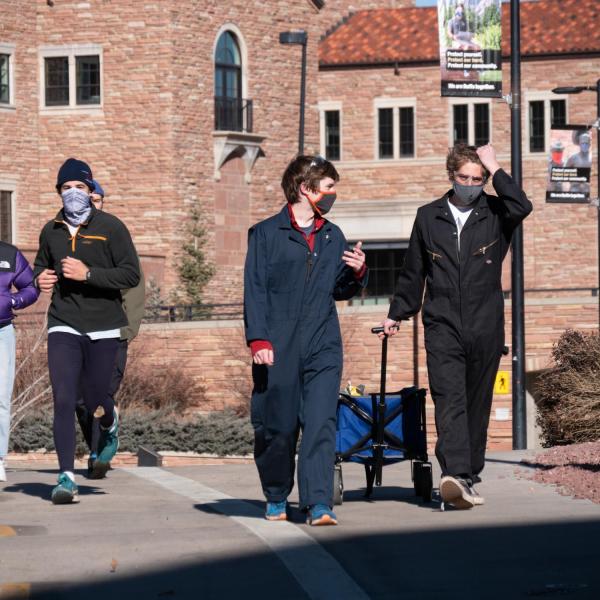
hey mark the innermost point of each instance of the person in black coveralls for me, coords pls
(455, 252)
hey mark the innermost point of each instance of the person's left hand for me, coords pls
(355, 259)
(72, 268)
(487, 156)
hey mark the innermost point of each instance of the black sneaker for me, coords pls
(456, 492)
(477, 497)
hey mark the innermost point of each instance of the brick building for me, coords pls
(177, 104)
(383, 120)
(184, 104)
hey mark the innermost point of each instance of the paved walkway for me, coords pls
(197, 532)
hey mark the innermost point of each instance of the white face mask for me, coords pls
(77, 205)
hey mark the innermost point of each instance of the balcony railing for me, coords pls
(233, 114)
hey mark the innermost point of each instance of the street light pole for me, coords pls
(299, 37)
(519, 420)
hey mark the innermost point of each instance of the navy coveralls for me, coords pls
(463, 313)
(289, 300)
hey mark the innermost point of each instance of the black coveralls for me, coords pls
(463, 313)
(289, 300)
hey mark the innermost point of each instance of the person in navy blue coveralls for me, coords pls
(298, 265)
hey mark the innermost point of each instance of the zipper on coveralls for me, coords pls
(309, 264)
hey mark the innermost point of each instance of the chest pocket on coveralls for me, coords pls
(281, 277)
(484, 252)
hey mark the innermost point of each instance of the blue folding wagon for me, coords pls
(382, 429)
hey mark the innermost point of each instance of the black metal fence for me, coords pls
(192, 312)
(233, 114)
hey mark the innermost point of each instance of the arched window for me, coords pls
(229, 104)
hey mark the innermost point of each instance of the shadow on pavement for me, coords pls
(44, 490)
(504, 563)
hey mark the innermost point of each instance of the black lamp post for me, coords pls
(519, 421)
(298, 37)
(577, 89)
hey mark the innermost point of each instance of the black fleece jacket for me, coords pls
(104, 244)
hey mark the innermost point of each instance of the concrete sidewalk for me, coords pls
(197, 532)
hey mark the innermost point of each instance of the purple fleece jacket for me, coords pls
(14, 272)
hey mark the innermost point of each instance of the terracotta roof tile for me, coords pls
(411, 34)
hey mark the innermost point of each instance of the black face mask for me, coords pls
(322, 205)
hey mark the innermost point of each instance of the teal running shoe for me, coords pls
(66, 491)
(321, 514)
(107, 448)
(276, 511)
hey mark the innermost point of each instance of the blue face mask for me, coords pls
(584, 147)
(467, 194)
(77, 205)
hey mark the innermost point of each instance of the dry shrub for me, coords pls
(238, 366)
(166, 389)
(32, 389)
(568, 395)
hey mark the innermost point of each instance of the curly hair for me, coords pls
(461, 154)
(307, 170)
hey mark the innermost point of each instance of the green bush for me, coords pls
(222, 433)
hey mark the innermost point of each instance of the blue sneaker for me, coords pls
(66, 491)
(107, 448)
(276, 511)
(321, 514)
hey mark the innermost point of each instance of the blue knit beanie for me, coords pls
(97, 188)
(74, 170)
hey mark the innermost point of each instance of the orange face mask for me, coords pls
(322, 205)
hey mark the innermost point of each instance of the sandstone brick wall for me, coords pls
(214, 354)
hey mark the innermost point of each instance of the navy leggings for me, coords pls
(78, 367)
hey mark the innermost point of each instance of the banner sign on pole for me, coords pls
(470, 33)
(569, 164)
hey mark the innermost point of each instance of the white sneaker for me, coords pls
(456, 492)
(2, 470)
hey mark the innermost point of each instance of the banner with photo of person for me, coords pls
(470, 34)
(569, 164)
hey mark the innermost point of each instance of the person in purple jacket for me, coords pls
(15, 273)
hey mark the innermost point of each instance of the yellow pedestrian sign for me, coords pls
(502, 384)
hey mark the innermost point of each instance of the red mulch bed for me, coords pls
(574, 469)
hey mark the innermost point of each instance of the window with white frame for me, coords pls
(330, 118)
(7, 80)
(395, 128)
(470, 122)
(71, 77)
(543, 111)
(6, 216)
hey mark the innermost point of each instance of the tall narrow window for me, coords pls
(482, 124)
(385, 260)
(57, 81)
(537, 127)
(386, 133)
(407, 131)
(229, 106)
(558, 112)
(6, 216)
(332, 135)
(88, 79)
(4, 78)
(461, 123)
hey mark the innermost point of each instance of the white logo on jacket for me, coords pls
(4, 264)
